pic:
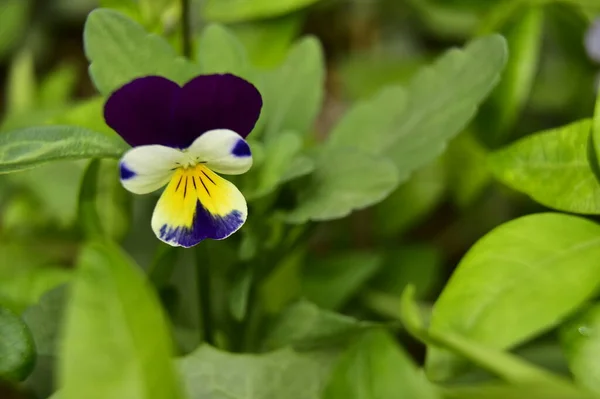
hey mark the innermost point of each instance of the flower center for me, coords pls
(189, 161)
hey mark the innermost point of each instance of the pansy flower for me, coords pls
(184, 137)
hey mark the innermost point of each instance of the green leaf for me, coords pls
(507, 366)
(413, 126)
(293, 93)
(219, 51)
(442, 100)
(115, 61)
(524, 36)
(376, 367)
(110, 291)
(412, 201)
(301, 165)
(552, 168)
(17, 352)
(345, 180)
(30, 147)
(375, 115)
(581, 344)
(209, 373)
(282, 162)
(305, 326)
(518, 281)
(268, 41)
(331, 281)
(243, 10)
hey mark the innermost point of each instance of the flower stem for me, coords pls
(186, 29)
(203, 287)
(162, 266)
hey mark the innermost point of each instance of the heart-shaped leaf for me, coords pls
(119, 50)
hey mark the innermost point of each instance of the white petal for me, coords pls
(149, 167)
(223, 151)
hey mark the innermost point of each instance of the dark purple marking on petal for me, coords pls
(241, 149)
(125, 172)
(142, 111)
(205, 225)
(210, 102)
(592, 41)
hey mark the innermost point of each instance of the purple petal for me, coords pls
(155, 110)
(141, 111)
(211, 102)
(592, 41)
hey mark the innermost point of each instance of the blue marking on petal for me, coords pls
(205, 225)
(126, 173)
(241, 149)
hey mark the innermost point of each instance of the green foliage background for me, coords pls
(422, 206)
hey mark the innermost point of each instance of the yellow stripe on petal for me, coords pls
(198, 204)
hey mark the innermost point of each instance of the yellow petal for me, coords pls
(198, 204)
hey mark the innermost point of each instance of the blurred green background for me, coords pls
(417, 234)
(368, 44)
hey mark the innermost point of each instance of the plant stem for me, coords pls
(251, 325)
(203, 287)
(162, 266)
(203, 284)
(186, 29)
(88, 211)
